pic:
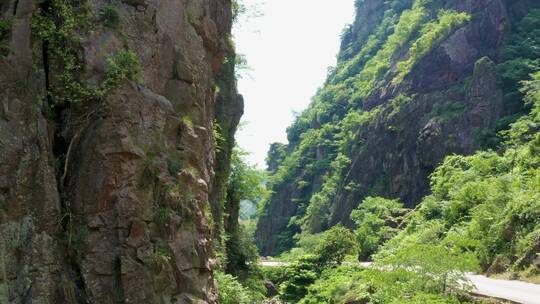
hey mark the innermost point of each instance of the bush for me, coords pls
(123, 65)
(376, 221)
(5, 31)
(230, 291)
(416, 273)
(336, 243)
(337, 285)
(109, 16)
(298, 276)
(438, 267)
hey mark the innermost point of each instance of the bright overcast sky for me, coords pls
(289, 50)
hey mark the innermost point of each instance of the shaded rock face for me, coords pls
(393, 155)
(106, 201)
(271, 235)
(228, 111)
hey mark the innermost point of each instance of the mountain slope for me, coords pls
(415, 81)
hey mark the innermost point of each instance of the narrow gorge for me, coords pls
(122, 181)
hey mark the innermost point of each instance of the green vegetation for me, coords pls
(159, 259)
(325, 138)
(334, 244)
(109, 16)
(432, 34)
(231, 291)
(519, 58)
(247, 286)
(483, 215)
(5, 32)
(59, 26)
(416, 272)
(377, 221)
(123, 65)
(246, 183)
(337, 285)
(375, 68)
(187, 121)
(487, 203)
(241, 278)
(238, 9)
(173, 165)
(447, 110)
(329, 137)
(330, 250)
(217, 136)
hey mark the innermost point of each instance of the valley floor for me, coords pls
(510, 290)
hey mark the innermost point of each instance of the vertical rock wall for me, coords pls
(228, 111)
(107, 155)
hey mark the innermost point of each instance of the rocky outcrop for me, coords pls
(107, 155)
(402, 157)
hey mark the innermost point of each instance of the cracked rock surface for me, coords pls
(109, 202)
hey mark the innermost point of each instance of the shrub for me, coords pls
(438, 267)
(109, 16)
(337, 285)
(5, 31)
(230, 291)
(376, 221)
(432, 34)
(447, 110)
(298, 276)
(122, 65)
(336, 243)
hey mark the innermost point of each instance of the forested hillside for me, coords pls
(416, 81)
(482, 216)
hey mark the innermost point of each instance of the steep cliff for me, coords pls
(415, 81)
(228, 111)
(107, 149)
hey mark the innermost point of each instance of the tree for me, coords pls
(246, 183)
(230, 291)
(376, 219)
(299, 276)
(435, 267)
(336, 243)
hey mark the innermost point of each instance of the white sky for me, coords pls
(289, 50)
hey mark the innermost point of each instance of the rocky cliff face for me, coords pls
(107, 153)
(415, 81)
(228, 111)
